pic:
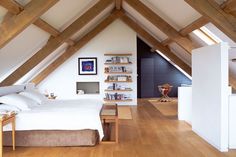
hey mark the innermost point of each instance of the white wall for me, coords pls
(210, 94)
(116, 38)
(185, 104)
(232, 121)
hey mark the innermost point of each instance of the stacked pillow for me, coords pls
(21, 102)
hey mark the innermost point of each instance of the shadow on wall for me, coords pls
(154, 70)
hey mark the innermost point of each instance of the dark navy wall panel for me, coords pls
(163, 72)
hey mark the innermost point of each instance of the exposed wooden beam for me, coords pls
(118, 4)
(188, 29)
(229, 6)
(212, 10)
(17, 8)
(150, 39)
(194, 25)
(156, 20)
(73, 49)
(12, 27)
(12, 6)
(55, 42)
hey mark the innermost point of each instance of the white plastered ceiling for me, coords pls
(176, 12)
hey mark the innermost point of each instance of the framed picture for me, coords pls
(87, 66)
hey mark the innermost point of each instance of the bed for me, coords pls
(58, 123)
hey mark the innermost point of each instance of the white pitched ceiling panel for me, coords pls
(93, 23)
(22, 47)
(144, 22)
(176, 12)
(64, 12)
(181, 53)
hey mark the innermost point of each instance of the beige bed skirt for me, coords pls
(53, 138)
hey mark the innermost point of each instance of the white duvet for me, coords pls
(61, 115)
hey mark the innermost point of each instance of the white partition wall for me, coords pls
(210, 94)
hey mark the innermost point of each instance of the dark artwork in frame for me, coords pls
(87, 66)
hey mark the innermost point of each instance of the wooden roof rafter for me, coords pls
(150, 39)
(73, 49)
(215, 14)
(11, 27)
(15, 8)
(166, 28)
(55, 42)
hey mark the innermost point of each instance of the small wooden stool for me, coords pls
(109, 114)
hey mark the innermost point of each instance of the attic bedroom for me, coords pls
(117, 78)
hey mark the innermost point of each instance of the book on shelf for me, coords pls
(118, 78)
(118, 59)
(116, 96)
(116, 69)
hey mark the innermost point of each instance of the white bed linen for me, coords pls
(61, 115)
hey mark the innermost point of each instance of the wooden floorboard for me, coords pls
(148, 134)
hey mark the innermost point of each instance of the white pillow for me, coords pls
(5, 107)
(34, 95)
(19, 101)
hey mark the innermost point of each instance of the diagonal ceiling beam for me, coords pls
(156, 20)
(12, 6)
(15, 8)
(150, 39)
(229, 6)
(14, 25)
(189, 28)
(56, 42)
(73, 49)
(212, 10)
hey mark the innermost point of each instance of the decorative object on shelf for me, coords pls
(80, 92)
(118, 78)
(118, 59)
(118, 69)
(87, 66)
(116, 86)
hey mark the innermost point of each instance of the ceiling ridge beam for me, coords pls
(73, 49)
(118, 4)
(157, 21)
(16, 24)
(213, 12)
(15, 8)
(55, 42)
(150, 39)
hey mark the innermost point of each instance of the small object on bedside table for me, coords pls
(52, 96)
(4, 120)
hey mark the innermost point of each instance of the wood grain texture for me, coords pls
(12, 6)
(150, 39)
(73, 49)
(118, 4)
(166, 28)
(213, 12)
(55, 42)
(16, 24)
(148, 134)
(229, 6)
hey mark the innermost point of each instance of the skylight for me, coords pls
(207, 36)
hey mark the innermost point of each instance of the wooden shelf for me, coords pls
(117, 72)
(117, 63)
(115, 54)
(118, 100)
(124, 90)
(118, 81)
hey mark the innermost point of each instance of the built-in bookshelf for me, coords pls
(118, 76)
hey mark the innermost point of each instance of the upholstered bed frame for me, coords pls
(85, 137)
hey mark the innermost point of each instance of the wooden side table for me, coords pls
(4, 121)
(109, 115)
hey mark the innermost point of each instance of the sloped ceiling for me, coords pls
(177, 13)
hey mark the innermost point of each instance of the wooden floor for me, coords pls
(148, 134)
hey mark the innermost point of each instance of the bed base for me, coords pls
(53, 138)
